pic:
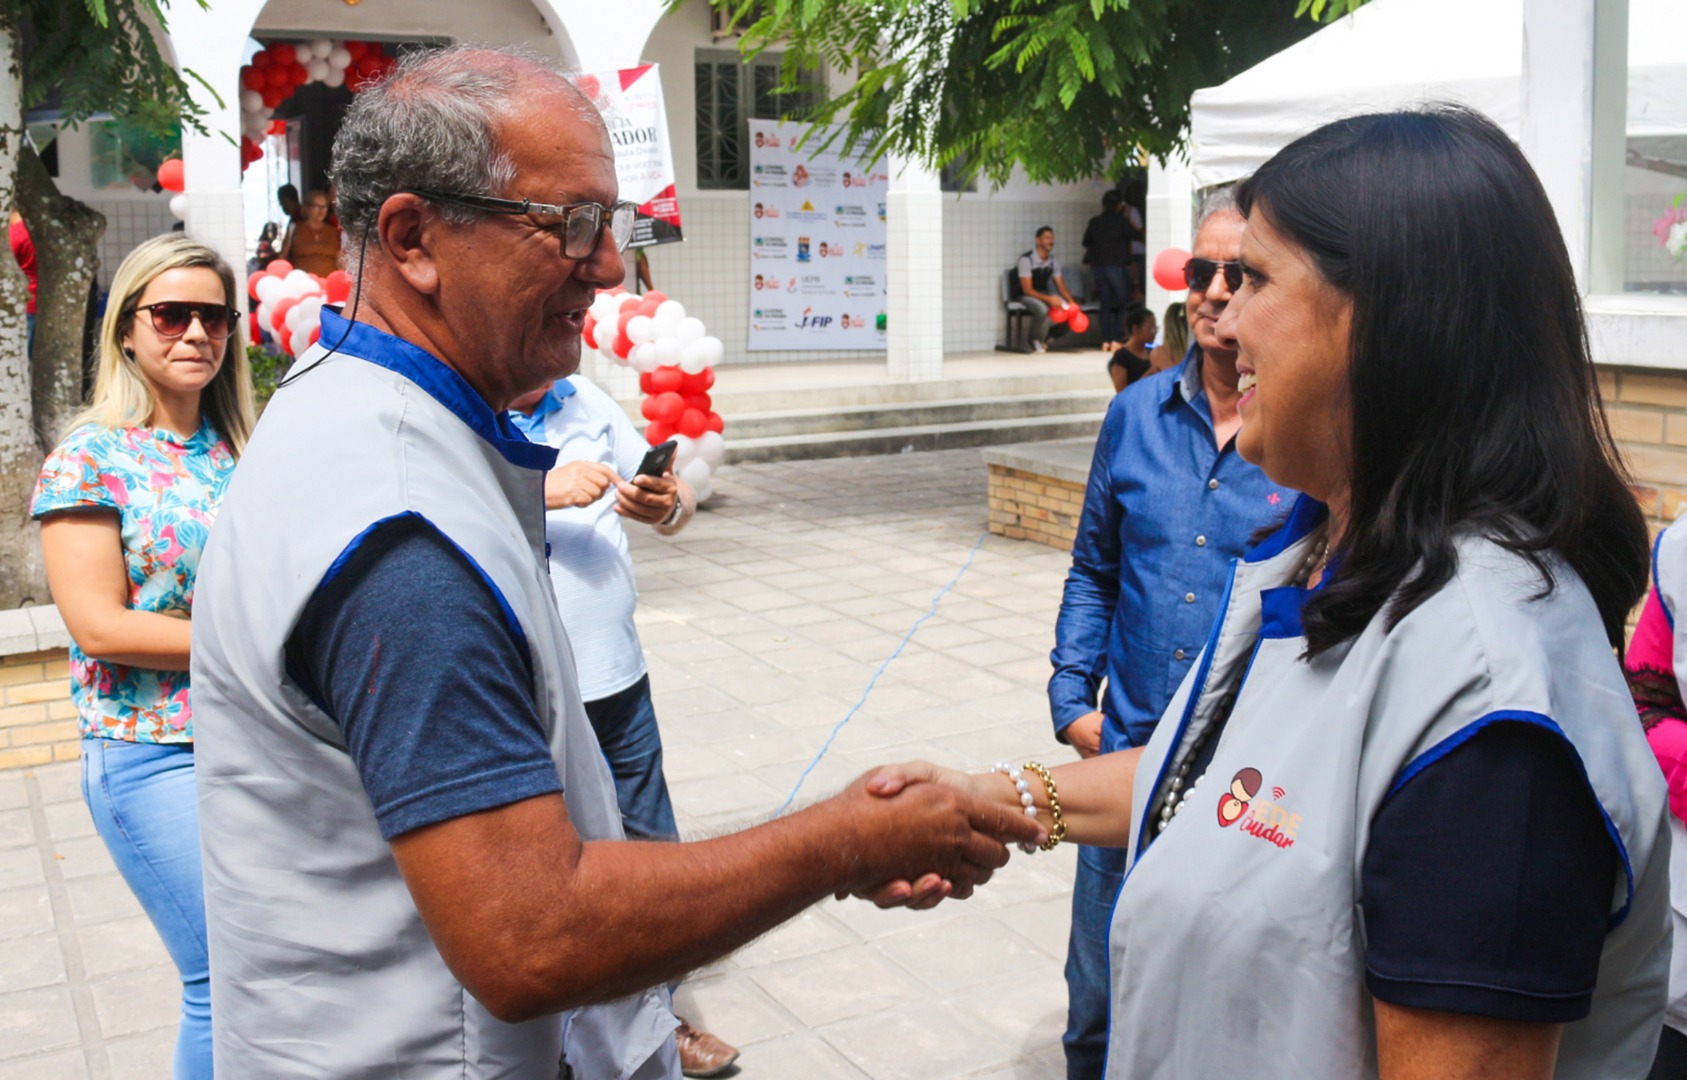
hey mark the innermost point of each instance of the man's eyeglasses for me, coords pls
(171, 318)
(578, 225)
(1198, 273)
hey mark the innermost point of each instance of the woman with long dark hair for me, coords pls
(1400, 820)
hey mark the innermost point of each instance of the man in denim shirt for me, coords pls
(1169, 504)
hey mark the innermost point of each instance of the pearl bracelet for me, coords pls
(1026, 799)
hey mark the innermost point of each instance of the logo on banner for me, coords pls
(763, 210)
(811, 321)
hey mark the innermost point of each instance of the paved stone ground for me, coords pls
(764, 623)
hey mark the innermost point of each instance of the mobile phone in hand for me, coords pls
(658, 458)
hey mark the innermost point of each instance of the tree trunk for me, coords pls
(67, 235)
(22, 579)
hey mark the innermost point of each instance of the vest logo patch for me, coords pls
(1262, 818)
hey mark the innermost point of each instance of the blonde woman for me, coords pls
(125, 503)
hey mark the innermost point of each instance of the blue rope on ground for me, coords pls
(789, 799)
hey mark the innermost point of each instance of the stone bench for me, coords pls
(1036, 490)
(37, 719)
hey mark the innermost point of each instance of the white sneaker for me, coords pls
(1039, 346)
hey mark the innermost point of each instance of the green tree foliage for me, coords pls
(1068, 89)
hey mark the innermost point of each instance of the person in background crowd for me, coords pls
(314, 244)
(1169, 505)
(126, 502)
(1656, 663)
(593, 489)
(23, 251)
(266, 252)
(287, 197)
(1174, 341)
(1130, 361)
(414, 859)
(1107, 240)
(642, 265)
(1404, 822)
(1043, 286)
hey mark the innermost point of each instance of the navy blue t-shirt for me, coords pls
(407, 647)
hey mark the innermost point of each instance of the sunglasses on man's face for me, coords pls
(1198, 274)
(171, 318)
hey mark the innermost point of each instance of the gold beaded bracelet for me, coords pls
(1057, 826)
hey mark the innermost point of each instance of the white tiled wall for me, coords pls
(127, 223)
(982, 237)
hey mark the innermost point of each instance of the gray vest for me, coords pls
(1237, 944)
(320, 964)
(1669, 563)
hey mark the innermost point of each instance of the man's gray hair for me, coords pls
(1218, 201)
(431, 124)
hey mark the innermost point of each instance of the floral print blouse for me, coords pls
(165, 492)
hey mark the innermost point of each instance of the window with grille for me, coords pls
(732, 91)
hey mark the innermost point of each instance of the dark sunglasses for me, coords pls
(171, 318)
(1198, 273)
(577, 225)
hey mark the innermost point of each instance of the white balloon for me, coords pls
(335, 77)
(251, 101)
(691, 329)
(642, 361)
(608, 351)
(338, 58)
(714, 350)
(670, 309)
(711, 447)
(695, 472)
(317, 69)
(321, 47)
(298, 290)
(297, 316)
(302, 53)
(694, 358)
(178, 206)
(703, 491)
(311, 308)
(604, 307)
(295, 278)
(300, 339)
(685, 452)
(270, 289)
(641, 330)
(266, 319)
(668, 350)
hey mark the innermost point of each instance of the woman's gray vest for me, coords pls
(1669, 570)
(1238, 948)
(320, 964)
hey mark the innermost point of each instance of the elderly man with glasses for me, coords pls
(413, 857)
(1169, 504)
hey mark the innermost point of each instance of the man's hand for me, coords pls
(649, 499)
(1084, 734)
(578, 483)
(922, 841)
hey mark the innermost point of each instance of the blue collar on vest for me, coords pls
(1306, 514)
(442, 383)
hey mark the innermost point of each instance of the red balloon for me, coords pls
(716, 424)
(1058, 315)
(586, 331)
(336, 287)
(315, 332)
(261, 60)
(299, 74)
(700, 402)
(648, 408)
(255, 330)
(1079, 322)
(623, 345)
(656, 297)
(647, 307)
(668, 407)
(278, 318)
(253, 78)
(354, 81)
(645, 384)
(667, 378)
(698, 383)
(170, 175)
(369, 67)
(1168, 269)
(376, 49)
(356, 48)
(252, 283)
(658, 432)
(693, 423)
(273, 97)
(279, 268)
(279, 75)
(281, 54)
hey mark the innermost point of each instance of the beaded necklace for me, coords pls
(1176, 794)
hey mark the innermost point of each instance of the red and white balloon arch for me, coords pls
(281, 68)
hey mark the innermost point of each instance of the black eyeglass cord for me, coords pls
(351, 320)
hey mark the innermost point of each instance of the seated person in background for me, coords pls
(1039, 279)
(1129, 362)
(1174, 339)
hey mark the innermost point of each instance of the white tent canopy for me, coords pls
(1393, 54)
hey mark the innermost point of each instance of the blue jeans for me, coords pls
(142, 800)
(1088, 994)
(625, 723)
(1110, 291)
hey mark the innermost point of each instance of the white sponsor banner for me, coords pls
(631, 103)
(817, 244)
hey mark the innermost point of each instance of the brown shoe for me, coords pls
(702, 1054)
